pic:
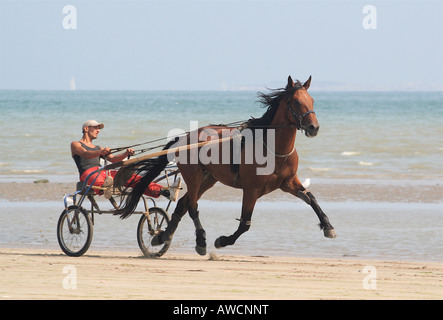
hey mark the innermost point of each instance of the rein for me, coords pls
(298, 119)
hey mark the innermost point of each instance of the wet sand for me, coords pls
(336, 191)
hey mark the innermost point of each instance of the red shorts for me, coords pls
(153, 190)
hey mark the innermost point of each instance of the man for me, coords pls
(87, 158)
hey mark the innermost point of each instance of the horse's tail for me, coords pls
(148, 170)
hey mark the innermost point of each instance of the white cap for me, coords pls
(93, 123)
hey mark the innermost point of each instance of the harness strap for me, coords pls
(247, 223)
(285, 156)
(304, 196)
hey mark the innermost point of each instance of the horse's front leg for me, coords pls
(245, 222)
(295, 187)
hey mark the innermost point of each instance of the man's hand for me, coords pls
(105, 152)
(130, 152)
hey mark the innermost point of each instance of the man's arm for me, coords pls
(77, 149)
(120, 157)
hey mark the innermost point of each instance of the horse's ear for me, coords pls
(307, 84)
(290, 83)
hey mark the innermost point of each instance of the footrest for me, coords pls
(79, 187)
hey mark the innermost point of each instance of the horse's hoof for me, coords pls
(330, 233)
(156, 241)
(200, 250)
(200, 246)
(222, 241)
(217, 243)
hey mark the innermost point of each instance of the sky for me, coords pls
(221, 45)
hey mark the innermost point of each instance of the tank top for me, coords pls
(84, 164)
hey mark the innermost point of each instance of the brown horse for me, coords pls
(289, 109)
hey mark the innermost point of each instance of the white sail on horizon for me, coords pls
(72, 84)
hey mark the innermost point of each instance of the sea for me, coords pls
(365, 137)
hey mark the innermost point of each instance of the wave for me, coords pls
(320, 169)
(26, 171)
(5, 164)
(350, 153)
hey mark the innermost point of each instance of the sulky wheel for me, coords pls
(150, 226)
(74, 231)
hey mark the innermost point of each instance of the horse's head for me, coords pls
(301, 108)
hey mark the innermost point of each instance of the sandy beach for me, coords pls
(45, 274)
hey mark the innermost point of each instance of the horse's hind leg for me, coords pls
(179, 212)
(200, 234)
(188, 203)
(192, 175)
(295, 187)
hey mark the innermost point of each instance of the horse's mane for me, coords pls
(272, 101)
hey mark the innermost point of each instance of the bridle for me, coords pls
(298, 125)
(299, 118)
